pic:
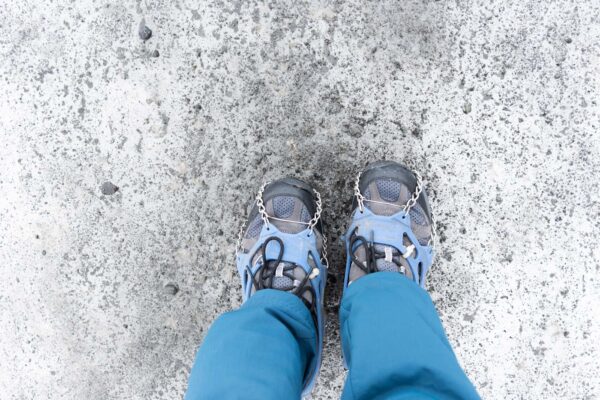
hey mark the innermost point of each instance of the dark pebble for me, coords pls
(171, 288)
(108, 188)
(155, 53)
(417, 132)
(144, 31)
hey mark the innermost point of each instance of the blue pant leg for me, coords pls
(260, 351)
(395, 345)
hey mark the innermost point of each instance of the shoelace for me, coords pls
(265, 275)
(371, 254)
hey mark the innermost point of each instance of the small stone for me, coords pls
(108, 188)
(417, 132)
(353, 129)
(569, 40)
(144, 31)
(43, 252)
(171, 288)
(155, 54)
(467, 108)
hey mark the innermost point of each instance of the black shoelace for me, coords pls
(371, 254)
(264, 277)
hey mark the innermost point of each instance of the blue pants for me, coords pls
(392, 339)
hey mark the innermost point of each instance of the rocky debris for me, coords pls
(108, 188)
(144, 32)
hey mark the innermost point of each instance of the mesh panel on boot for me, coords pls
(417, 216)
(395, 193)
(291, 209)
(254, 227)
(382, 264)
(286, 207)
(419, 224)
(304, 215)
(286, 283)
(386, 266)
(282, 282)
(388, 190)
(283, 206)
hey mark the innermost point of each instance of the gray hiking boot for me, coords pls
(392, 226)
(283, 249)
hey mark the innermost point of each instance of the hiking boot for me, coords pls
(392, 228)
(283, 248)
